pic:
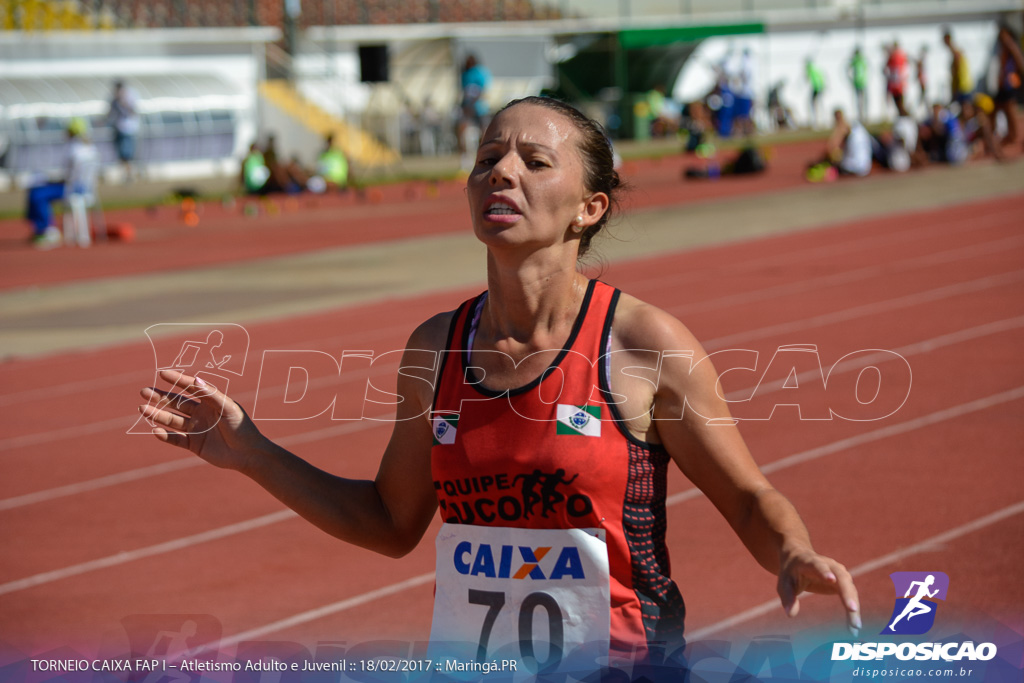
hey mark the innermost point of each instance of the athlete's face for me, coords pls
(527, 187)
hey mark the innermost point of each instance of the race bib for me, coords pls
(536, 597)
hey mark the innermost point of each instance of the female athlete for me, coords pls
(542, 435)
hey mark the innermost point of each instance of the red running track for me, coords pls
(101, 525)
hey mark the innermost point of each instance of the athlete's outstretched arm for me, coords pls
(715, 458)
(388, 514)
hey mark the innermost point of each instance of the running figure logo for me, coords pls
(215, 352)
(914, 613)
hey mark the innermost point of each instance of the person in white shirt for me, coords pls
(124, 116)
(79, 171)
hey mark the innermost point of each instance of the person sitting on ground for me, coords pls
(298, 177)
(255, 175)
(976, 119)
(332, 166)
(941, 138)
(847, 151)
(699, 129)
(747, 161)
(279, 180)
(888, 151)
(80, 153)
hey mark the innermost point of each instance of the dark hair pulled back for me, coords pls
(599, 174)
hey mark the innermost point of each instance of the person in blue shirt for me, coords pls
(473, 110)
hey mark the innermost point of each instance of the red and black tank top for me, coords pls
(555, 454)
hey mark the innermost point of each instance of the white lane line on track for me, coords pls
(910, 350)
(923, 546)
(125, 423)
(874, 308)
(149, 551)
(907, 351)
(326, 610)
(240, 527)
(847, 277)
(845, 315)
(873, 435)
(813, 254)
(176, 465)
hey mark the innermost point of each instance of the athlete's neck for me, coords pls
(530, 306)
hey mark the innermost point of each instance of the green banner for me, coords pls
(637, 38)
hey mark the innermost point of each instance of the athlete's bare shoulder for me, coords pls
(639, 325)
(432, 333)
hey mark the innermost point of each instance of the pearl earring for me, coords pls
(579, 224)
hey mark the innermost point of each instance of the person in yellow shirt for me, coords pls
(962, 84)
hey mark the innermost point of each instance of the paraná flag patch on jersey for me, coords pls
(585, 420)
(445, 428)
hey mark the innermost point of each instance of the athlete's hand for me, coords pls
(196, 416)
(805, 570)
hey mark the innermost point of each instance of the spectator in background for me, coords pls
(699, 131)
(857, 70)
(962, 84)
(1011, 74)
(976, 118)
(745, 94)
(473, 110)
(922, 79)
(778, 112)
(893, 148)
(662, 112)
(896, 77)
(429, 120)
(332, 165)
(124, 117)
(255, 173)
(941, 138)
(298, 176)
(847, 151)
(816, 78)
(280, 179)
(81, 155)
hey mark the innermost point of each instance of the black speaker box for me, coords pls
(373, 63)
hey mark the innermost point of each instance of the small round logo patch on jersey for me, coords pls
(580, 419)
(446, 428)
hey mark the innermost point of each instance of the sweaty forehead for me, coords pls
(532, 124)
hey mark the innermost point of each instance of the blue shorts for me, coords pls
(742, 107)
(125, 146)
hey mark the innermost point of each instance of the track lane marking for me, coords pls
(886, 306)
(869, 566)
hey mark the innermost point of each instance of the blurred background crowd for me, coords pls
(308, 95)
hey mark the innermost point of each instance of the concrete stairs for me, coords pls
(360, 147)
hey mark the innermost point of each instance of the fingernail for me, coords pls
(200, 382)
(852, 605)
(855, 631)
(830, 576)
(857, 622)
